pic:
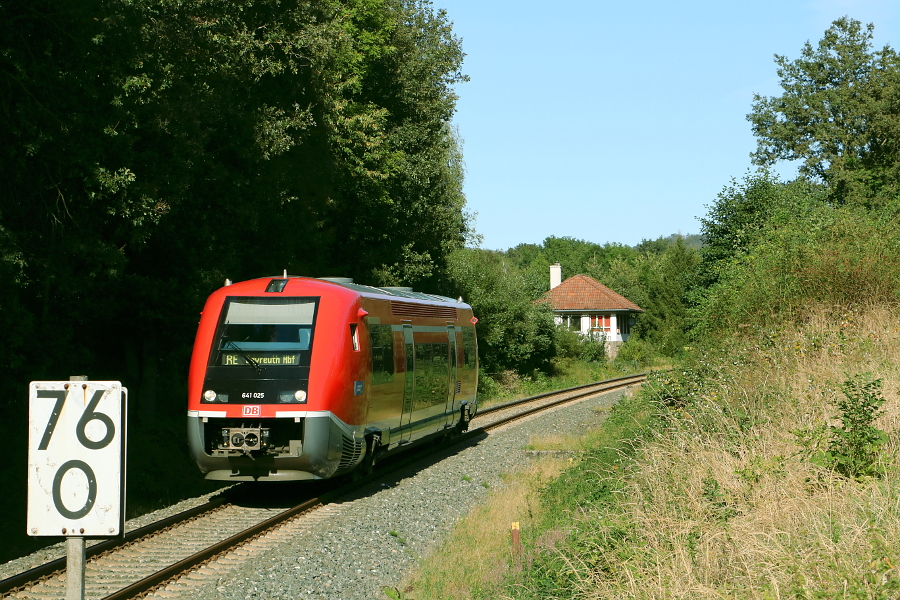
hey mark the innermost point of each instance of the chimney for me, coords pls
(555, 275)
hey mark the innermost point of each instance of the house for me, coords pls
(583, 304)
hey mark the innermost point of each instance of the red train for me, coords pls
(296, 378)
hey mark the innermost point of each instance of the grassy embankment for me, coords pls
(713, 483)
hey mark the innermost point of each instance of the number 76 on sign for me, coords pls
(76, 458)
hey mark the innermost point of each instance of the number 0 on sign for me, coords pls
(75, 458)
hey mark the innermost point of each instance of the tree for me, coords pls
(658, 281)
(515, 330)
(151, 148)
(574, 255)
(836, 114)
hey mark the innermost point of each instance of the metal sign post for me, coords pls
(76, 466)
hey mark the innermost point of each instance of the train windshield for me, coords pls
(266, 331)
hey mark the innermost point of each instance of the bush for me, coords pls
(568, 343)
(636, 350)
(854, 447)
(593, 350)
(832, 256)
(572, 345)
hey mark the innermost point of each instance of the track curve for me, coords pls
(220, 534)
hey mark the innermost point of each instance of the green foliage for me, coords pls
(568, 343)
(661, 244)
(838, 114)
(593, 350)
(743, 214)
(392, 592)
(715, 497)
(572, 345)
(151, 148)
(636, 351)
(574, 255)
(659, 283)
(677, 388)
(854, 447)
(760, 467)
(515, 331)
(834, 256)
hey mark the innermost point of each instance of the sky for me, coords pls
(621, 121)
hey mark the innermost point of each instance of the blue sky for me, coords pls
(620, 121)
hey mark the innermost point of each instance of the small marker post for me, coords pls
(516, 543)
(75, 551)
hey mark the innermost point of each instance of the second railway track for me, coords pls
(211, 544)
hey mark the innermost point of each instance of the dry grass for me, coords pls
(727, 505)
(723, 501)
(477, 559)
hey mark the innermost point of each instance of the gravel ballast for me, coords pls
(350, 550)
(373, 541)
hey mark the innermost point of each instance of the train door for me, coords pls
(409, 383)
(452, 375)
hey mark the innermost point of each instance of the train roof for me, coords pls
(367, 290)
(402, 292)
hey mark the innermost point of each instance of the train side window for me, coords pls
(382, 341)
(432, 369)
(469, 348)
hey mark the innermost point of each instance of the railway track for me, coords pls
(207, 541)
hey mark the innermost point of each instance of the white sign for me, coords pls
(76, 458)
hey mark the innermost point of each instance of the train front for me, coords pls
(257, 409)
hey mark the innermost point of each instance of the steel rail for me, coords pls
(58, 565)
(633, 380)
(173, 571)
(496, 407)
(148, 583)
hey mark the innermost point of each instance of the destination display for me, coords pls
(261, 359)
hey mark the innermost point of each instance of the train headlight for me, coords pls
(291, 397)
(212, 396)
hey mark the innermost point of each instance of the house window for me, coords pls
(573, 322)
(600, 323)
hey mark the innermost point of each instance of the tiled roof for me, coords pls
(585, 293)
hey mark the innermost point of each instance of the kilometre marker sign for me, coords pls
(75, 458)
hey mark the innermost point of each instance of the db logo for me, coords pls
(252, 411)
